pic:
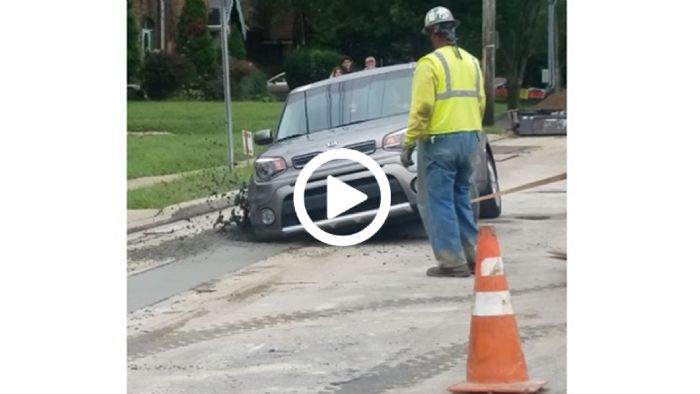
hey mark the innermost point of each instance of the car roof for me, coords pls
(354, 75)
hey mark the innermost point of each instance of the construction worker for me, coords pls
(447, 106)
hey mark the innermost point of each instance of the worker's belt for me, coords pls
(449, 93)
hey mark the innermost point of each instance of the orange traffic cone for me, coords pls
(495, 362)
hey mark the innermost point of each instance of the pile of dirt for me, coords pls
(554, 101)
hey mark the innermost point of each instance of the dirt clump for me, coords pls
(554, 101)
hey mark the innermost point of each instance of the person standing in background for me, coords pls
(335, 72)
(346, 65)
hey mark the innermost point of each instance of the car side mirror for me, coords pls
(263, 137)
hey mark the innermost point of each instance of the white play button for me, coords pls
(340, 197)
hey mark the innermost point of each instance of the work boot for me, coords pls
(461, 271)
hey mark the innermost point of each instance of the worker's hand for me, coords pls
(406, 154)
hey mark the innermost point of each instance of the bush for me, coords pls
(308, 65)
(250, 87)
(247, 83)
(194, 39)
(134, 93)
(164, 74)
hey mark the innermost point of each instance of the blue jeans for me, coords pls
(444, 172)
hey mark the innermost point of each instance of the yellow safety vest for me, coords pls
(448, 94)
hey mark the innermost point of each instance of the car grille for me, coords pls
(366, 147)
(300, 161)
(315, 200)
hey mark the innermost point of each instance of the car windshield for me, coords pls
(348, 102)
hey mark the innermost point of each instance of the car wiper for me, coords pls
(289, 137)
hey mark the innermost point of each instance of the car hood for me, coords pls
(322, 141)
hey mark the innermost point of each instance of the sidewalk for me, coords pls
(146, 181)
(143, 219)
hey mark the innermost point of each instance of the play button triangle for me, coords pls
(340, 197)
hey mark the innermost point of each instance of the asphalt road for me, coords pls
(301, 317)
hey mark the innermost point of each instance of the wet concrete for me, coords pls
(190, 262)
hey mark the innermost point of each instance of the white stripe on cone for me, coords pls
(492, 266)
(492, 303)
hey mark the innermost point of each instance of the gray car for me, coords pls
(366, 111)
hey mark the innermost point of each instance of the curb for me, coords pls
(184, 210)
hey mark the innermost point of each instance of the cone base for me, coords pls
(531, 386)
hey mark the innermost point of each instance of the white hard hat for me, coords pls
(439, 15)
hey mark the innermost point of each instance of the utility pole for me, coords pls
(557, 65)
(552, 61)
(488, 43)
(223, 13)
(162, 25)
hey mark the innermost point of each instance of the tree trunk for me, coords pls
(513, 92)
(488, 59)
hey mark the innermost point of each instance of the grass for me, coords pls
(207, 183)
(198, 138)
(500, 107)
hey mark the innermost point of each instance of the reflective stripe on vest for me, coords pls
(449, 93)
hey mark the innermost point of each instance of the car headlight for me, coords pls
(268, 167)
(394, 140)
(267, 216)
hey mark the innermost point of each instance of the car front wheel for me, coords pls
(491, 208)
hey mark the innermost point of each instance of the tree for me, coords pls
(521, 26)
(388, 30)
(391, 30)
(236, 46)
(194, 39)
(308, 65)
(133, 43)
(561, 43)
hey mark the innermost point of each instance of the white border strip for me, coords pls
(492, 266)
(492, 303)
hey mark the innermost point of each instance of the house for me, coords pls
(268, 33)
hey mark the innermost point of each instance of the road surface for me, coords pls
(214, 313)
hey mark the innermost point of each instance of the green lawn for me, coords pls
(500, 107)
(198, 137)
(197, 141)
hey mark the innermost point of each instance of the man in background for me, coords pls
(346, 65)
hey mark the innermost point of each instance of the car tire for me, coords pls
(491, 208)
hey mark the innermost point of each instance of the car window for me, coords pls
(396, 97)
(352, 101)
(317, 103)
(293, 119)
